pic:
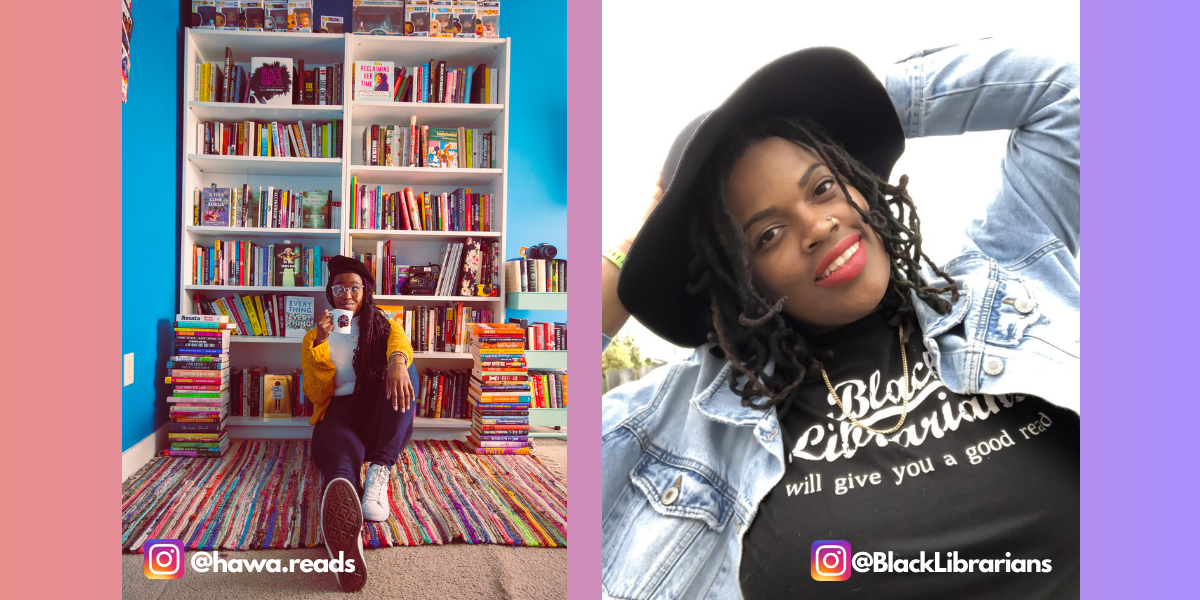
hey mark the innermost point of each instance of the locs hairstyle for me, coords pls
(751, 331)
(370, 364)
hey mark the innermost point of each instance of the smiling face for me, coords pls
(833, 271)
(350, 301)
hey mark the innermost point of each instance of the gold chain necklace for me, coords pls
(904, 397)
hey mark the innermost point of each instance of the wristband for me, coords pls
(616, 257)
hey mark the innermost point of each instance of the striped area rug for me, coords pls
(267, 494)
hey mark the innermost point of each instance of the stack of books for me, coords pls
(199, 371)
(499, 390)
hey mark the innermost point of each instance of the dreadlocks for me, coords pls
(370, 362)
(750, 330)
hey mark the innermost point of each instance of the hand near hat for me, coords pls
(398, 385)
(612, 314)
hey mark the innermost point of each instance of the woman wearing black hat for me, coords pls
(853, 407)
(362, 390)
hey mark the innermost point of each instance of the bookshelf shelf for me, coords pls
(273, 165)
(537, 301)
(388, 234)
(442, 355)
(547, 417)
(259, 232)
(546, 359)
(315, 48)
(425, 175)
(397, 113)
(436, 299)
(460, 52)
(274, 289)
(280, 354)
(237, 111)
(299, 428)
(442, 423)
(265, 339)
(243, 421)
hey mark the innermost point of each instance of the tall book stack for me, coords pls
(199, 371)
(499, 392)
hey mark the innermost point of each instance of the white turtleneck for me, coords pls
(341, 352)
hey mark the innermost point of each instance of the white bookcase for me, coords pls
(301, 174)
(543, 359)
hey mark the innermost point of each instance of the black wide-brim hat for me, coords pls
(827, 85)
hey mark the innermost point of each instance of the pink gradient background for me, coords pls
(62, 474)
(583, 303)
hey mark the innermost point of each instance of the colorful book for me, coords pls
(373, 81)
(442, 149)
(214, 204)
(270, 80)
(300, 314)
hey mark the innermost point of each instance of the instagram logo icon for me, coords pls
(830, 560)
(163, 559)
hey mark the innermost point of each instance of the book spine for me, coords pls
(497, 450)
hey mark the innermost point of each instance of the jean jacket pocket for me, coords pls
(663, 530)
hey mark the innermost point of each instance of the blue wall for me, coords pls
(149, 211)
(537, 179)
(537, 125)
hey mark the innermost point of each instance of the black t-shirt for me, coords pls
(991, 477)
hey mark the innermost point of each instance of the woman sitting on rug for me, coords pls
(361, 404)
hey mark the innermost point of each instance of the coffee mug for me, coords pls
(341, 320)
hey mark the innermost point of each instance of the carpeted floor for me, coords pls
(455, 570)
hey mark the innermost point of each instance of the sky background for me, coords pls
(661, 73)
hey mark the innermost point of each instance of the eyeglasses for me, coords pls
(340, 290)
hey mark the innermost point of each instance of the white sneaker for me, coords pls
(375, 498)
(341, 526)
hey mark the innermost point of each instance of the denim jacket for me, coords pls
(685, 465)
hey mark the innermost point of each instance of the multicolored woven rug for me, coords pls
(267, 494)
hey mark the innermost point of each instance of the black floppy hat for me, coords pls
(831, 87)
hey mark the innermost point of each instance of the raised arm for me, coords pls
(988, 85)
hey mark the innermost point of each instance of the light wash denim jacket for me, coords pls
(1015, 329)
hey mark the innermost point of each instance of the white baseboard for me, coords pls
(141, 452)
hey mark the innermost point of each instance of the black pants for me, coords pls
(357, 429)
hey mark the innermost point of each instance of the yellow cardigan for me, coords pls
(319, 368)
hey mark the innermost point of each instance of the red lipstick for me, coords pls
(850, 269)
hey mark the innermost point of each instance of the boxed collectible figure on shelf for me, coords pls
(300, 16)
(416, 18)
(204, 14)
(276, 18)
(379, 17)
(441, 18)
(465, 19)
(488, 13)
(331, 24)
(253, 15)
(228, 17)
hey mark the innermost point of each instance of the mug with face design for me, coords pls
(341, 320)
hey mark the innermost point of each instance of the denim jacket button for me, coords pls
(1024, 306)
(993, 366)
(669, 496)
